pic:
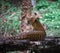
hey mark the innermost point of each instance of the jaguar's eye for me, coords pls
(35, 13)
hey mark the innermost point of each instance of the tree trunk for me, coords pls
(26, 8)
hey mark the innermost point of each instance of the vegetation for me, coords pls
(10, 15)
(51, 15)
(10, 18)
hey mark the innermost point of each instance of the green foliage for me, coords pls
(13, 22)
(11, 19)
(51, 14)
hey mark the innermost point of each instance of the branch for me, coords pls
(22, 41)
(15, 45)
